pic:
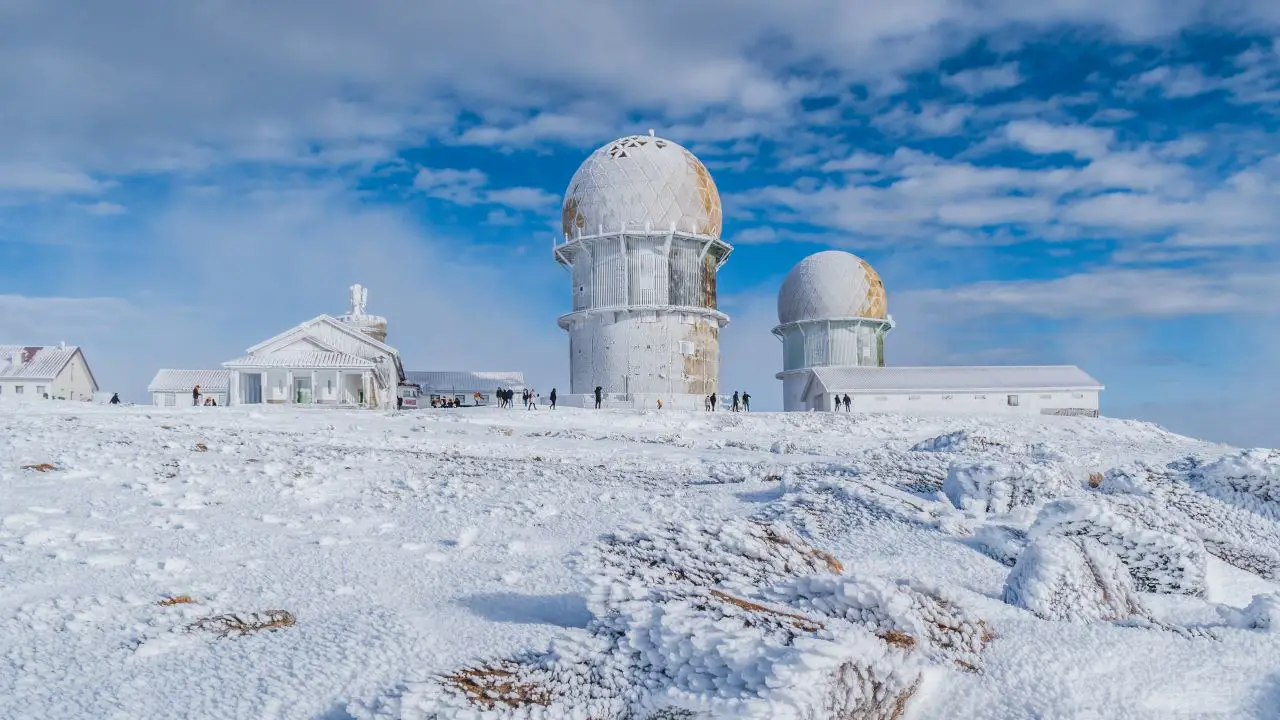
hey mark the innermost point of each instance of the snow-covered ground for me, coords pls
(628, 564)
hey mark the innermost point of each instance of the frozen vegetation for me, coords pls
(484, 563)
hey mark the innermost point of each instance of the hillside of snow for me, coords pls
(486, 563)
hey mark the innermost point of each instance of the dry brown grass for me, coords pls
(1095, 479)
(799, 622)
(489, 686)
(229, 624)
(827, 558)
(42, 467)
(898, 639)
(177, 600)
(201, 447)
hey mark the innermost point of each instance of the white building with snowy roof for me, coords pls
(34, 371)
(173, 388)
(833, 318)
(328, 361)
(468, 388)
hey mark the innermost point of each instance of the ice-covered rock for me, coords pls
(959, 441)
(1001, 487)
(1262, 613)
(1248, 479)
(1072, 579)
(1159, 562)
(1000, 543)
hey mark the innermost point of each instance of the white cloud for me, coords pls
(980, 81)
(102, 207)
(1044, 138)
(469, 187)
(40, 178)
(856, 162)
(1177, 81)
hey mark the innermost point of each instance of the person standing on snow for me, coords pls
(599, 396)
(746, 401)
(552, 398)
(115, 399)
(195, 396)
(735, 401)
(713, 402)
(847, 402)
(533, 399)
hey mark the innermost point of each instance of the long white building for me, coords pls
(642, 223)
(833, 316)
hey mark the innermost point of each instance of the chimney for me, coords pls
(62, 345)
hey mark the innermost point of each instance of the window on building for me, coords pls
(17, 389)
(913, 397)
(1046, 397)
(1013, 400)
(979, 397)
(1077, 395)
(40, 390)
(686, 347)
(882, 397)
(946, 397)
(170, 400)
(1, 389)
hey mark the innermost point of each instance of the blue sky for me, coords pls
(1077, 182)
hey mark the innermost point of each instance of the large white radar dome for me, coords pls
(832, 284)
(640, 181)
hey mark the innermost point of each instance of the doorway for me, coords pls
(251, 388)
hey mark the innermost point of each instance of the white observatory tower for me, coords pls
(832, 311)
(642, 243)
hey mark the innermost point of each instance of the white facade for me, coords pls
(1035, 390)
(323, 361)
(172, 388)
(833, 317)
(33, 371)
(641, 224)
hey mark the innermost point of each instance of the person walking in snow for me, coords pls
(746, 401)
(659, 403)
(115, 399)
(735, 401)
(552, 398)
(706, 403)
(847, 402)
(533, 399)
(599, 396)
(195, 396)
(713, 402)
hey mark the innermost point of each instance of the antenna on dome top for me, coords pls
(650, 132)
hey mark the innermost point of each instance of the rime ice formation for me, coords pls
(620, 564)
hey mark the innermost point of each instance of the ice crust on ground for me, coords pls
(614, 564)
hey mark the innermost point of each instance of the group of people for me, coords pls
(528, 396)
(843, 401)
(741, 402)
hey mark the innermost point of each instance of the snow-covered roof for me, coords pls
(456, 381)
(317, 360)
(329, 320)
(168, 380)
(959, 378)
(34, 362)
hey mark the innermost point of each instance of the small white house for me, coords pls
(1036, 390)
(468, 388)
(323, 361)
(172, 388)
(34, 371)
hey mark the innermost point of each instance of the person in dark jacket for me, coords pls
(195, 396)
(552, 398)
(115, 398)
(746, 401)
(736, 401)
(847, 402)
(599, 396)
(713, 402)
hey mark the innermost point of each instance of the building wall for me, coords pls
(792, 390)
(183, 399)
(644, 351)
(74, 382)
(1029, 402)
(823, 343)
(8, 388)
